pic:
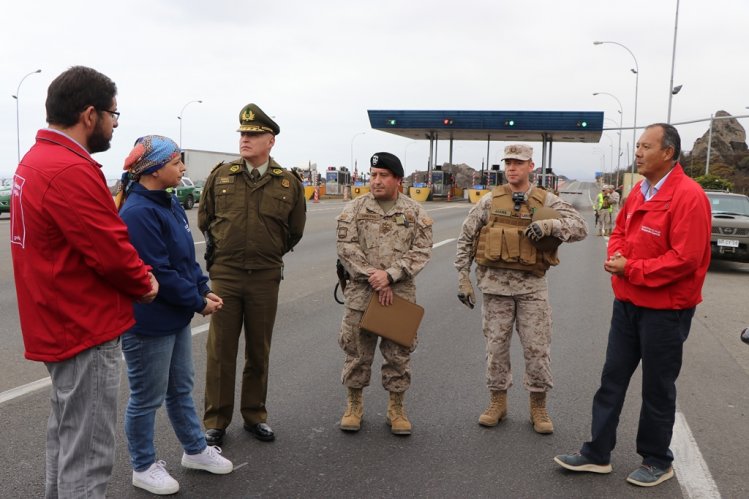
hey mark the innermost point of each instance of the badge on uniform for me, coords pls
(234, 168)
(401, 220)
(285, 182)
(277, 171)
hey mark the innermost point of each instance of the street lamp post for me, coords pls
(352, 148)
(18, 119)
(621, 118)
(671, 89)
(180, 119)
(636, 71)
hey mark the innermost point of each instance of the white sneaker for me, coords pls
(209, 460)
(156, 480)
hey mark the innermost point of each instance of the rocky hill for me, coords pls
(729, 140)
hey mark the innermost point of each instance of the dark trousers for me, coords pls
(656, 337)
(250, 300)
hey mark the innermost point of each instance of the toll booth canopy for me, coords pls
(546, 127)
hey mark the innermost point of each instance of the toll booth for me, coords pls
(442, 182)
(493, 177)
(336, 179)
(547, 179)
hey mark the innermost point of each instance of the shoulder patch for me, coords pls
(234, 168)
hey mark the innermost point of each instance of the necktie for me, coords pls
(254, 175)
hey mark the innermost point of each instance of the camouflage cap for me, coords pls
(253, 119)
(387, 161)
(518, 151)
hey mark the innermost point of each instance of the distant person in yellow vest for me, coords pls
(606, 204)
(613, 198)
(513, 233)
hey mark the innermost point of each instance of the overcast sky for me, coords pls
(318, 66)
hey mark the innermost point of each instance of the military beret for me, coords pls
(518, 151)
(253, 119)
(387, 161)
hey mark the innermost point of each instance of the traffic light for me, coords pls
(392, 122)
(447, 122)
(509, 122)
(582, 124)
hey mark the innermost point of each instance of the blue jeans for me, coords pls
(657, 338)
(159, 368)
(81, 425)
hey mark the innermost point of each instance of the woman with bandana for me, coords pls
(158, 349)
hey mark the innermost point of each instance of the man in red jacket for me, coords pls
(658, 256)
(76, 277)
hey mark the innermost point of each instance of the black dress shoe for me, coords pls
(214, 436)
(261, 431)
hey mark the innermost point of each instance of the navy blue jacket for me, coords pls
(159, 230)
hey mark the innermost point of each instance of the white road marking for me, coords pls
(24, 389)
(442, 243)
(34, 386)
(691, 469)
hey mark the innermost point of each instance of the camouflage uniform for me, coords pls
(399, 242)
(515, 297)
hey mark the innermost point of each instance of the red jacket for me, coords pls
(666, 242)
(76, 272)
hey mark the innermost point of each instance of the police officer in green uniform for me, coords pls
(252, 213)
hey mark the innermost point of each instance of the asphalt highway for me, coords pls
(449, 454)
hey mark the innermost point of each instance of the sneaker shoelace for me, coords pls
(212, 452)
(650, 469)
(158, 470)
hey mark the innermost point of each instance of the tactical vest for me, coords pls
(502, 242)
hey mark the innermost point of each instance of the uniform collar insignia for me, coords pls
(277, 171)
(234, 168)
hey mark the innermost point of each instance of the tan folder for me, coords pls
(397, 322)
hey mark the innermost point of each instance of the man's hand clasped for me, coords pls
(379, 281)
(615, 264)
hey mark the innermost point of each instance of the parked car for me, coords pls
(730, 229)
(186, 193)
(199, 190)
(5, 188)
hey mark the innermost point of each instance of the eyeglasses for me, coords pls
(115, 114)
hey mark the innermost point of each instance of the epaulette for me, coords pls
(214, 168)
(295, 172)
